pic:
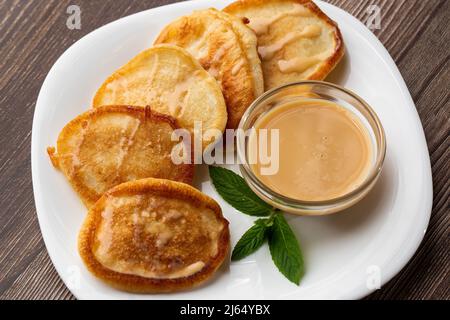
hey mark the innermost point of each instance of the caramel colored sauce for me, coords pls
(261, 25)
(267, 52)
(324, 150)
(299, 64)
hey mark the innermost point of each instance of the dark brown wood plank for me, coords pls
(425, 67)
(37, 275)
(33, 35)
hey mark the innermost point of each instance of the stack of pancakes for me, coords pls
(147, 229)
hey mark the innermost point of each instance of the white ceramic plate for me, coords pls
(346, 254)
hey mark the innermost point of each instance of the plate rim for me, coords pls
(359, 292)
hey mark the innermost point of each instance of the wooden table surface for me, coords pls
(33, 34)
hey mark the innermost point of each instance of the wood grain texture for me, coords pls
(34, 34)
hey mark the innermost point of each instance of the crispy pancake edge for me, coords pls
(238, 97)
(339, 50)
(138, 284)
(70, 129)
(243, 32)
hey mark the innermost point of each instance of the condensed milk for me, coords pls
(325, 151)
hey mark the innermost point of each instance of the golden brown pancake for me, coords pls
(226, 48)
(296, 40)
(249, 42)
(172, 82)
(110, 145)
(154, 235)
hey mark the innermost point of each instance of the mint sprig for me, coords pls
(251, 241)
(285, 250)
(234, 190)
(283, 244)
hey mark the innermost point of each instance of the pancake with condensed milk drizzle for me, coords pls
(172, 82)
(296, 40)
(107, 146)
(154, 235)
(226, 48)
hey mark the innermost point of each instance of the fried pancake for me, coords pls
(249, 42)
(226, 48)
(296, 40)
(170, 80)
(110, 145)
(154, 235)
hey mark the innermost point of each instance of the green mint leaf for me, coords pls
(251, 241)
(234, 190)
(285, 250)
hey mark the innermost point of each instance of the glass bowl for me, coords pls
(317, 90)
